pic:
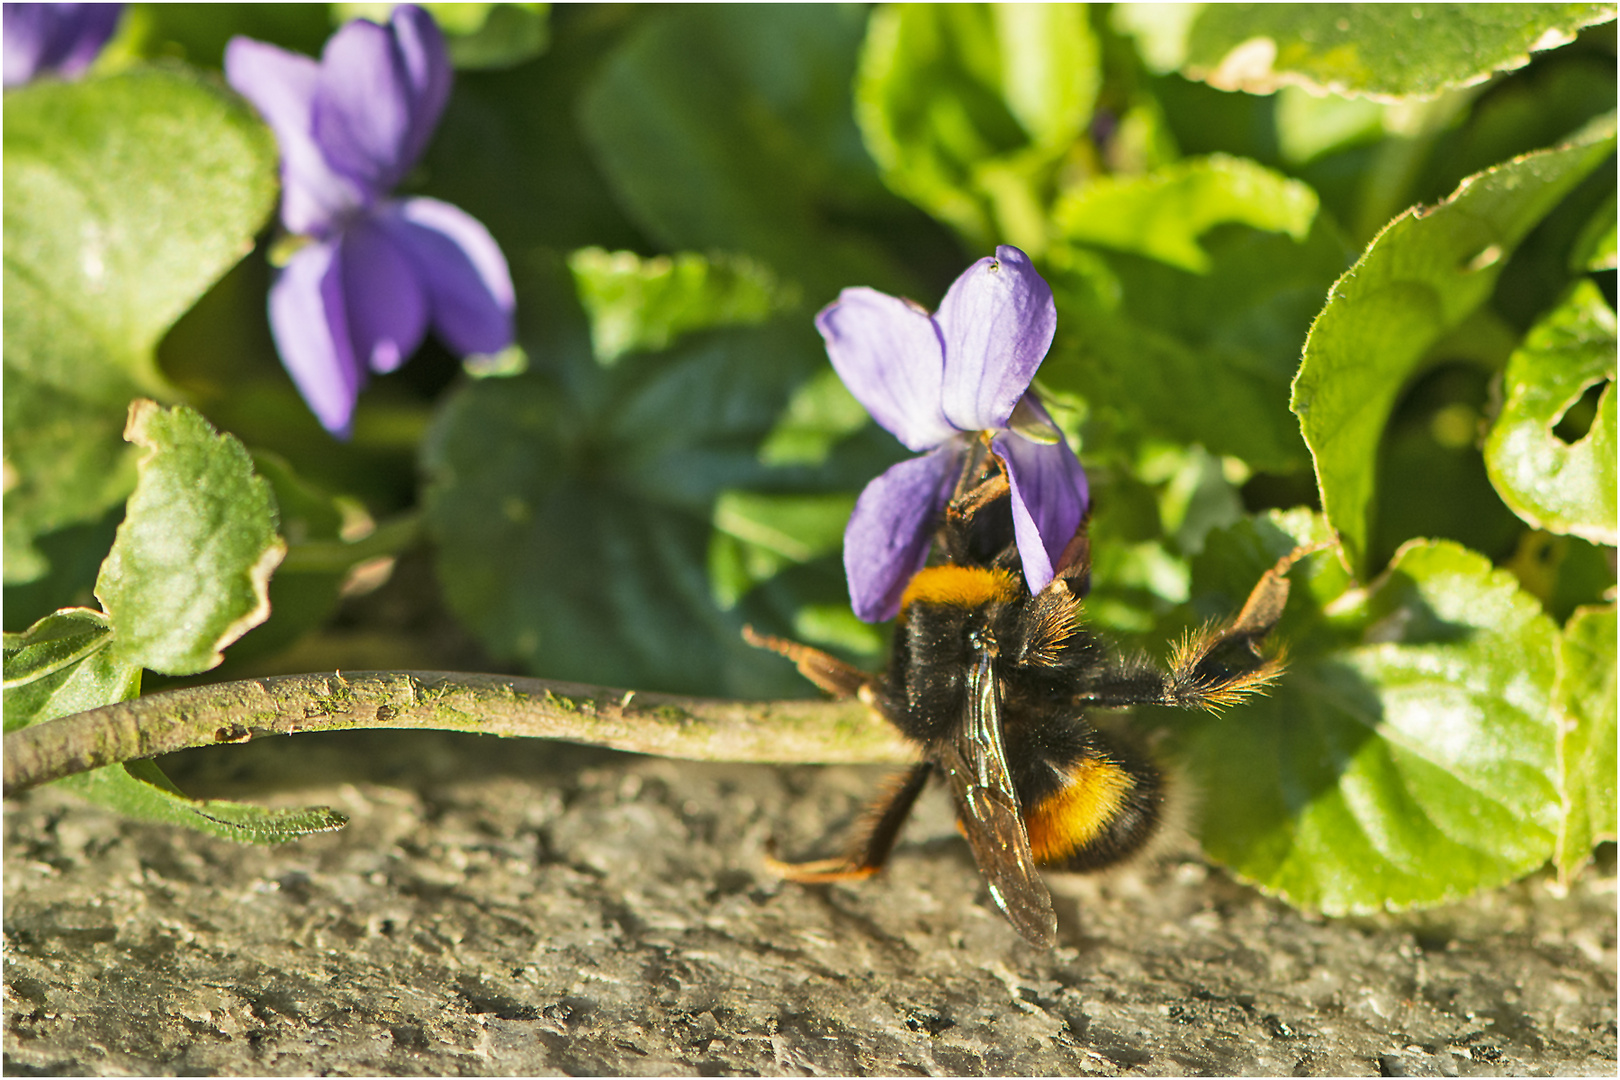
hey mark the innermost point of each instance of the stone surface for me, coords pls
(516, 908)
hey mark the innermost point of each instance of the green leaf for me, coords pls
(1584, 701)
(757, 536)
(1384, 51)
(477, 35)
(1203, 358)
(1163, 214)
(92, 680)
(53, 643)
(140, 790)
(188, 573)
(730, 129)
(644, 304)
(1407, 756)
(969, 109)
(1555, 485)
(1594, 249)
(1423, 276)
(125, 198)
(572, 506)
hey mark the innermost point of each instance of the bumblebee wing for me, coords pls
(975, 764)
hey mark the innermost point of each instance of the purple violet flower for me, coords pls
(59, 39)
(376, 272)
(936, 382)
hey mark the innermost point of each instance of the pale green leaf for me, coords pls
(968, 109)
(1421, 278)
(188, 572)
(1407, 756)
(1385, 51)
(643, 304)
(1163, 214)
(125, 198)
(1584, 699)
(1552, 484)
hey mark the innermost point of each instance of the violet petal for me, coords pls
(1049, 496)
(997, 322)
(892, 528)
(311, 328)
(281, 86)
(62, 39)
(379, 96)
(888, 354)
(461, 270)
(387, 310)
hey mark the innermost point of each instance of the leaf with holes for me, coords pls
(1427, 272)
(1559, 486)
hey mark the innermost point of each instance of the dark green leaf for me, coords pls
(1424, 275)
(730, 129)
(1387, 51)
(1407, 756)
(1555, 485)
(638, 304)
(572, 506)
(125, 198)
(188, 573)
(970, 108)
(1595, 248)
(1584, 698)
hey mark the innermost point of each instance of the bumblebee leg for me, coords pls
(875, 840)
(833, 675)
(1214, 667)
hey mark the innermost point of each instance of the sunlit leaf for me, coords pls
(1162, 214)
(1584, 699)
(1407, 757)
(1421, 278)
(125, 198)
(644, 304)
(189, 571)
(477, 35)
(1385, 51)
(1555, 485)
(968, 108)
(53, 643)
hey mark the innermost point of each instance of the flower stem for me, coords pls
(703, 729)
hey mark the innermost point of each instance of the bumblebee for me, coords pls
(993, 683)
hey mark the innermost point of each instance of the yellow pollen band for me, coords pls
(959, 586)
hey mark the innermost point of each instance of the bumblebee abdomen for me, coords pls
(1105, 810)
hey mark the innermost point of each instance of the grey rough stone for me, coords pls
(531, 908)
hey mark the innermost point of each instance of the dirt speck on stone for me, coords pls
(503, 907)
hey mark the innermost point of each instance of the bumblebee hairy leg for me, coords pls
(1210, 668)
(873, 842)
